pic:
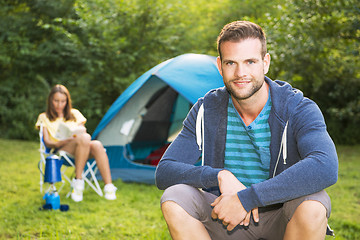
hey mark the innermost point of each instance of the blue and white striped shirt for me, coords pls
(247, 152)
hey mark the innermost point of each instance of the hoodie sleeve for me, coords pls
(177, 164)
(315, 169)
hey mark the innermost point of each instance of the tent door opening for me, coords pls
(161, 121)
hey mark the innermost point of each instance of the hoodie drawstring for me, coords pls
(200, 138)
(200, 132)
(283, 147)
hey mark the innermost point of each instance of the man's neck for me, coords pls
(250, 108)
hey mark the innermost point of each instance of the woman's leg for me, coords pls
(98, 152)
(81, 153)
(80, 148)
(83, 148)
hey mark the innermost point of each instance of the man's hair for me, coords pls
(50, 111)
(241, 30)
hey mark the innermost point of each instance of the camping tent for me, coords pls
(150, 112)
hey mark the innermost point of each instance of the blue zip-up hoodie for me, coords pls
(309, 166)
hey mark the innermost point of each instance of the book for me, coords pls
(65, 131)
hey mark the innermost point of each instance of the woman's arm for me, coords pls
(53, 144)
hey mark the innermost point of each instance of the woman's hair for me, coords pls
(241, 30)
(50, 110)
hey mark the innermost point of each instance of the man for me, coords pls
(266, 154)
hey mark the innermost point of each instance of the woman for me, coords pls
(78, 146)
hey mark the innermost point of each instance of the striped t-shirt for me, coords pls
(247, 152)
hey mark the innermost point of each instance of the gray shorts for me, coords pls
(273, 219)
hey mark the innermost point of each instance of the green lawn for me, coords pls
(136, 213)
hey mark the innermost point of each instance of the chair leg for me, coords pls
(70, 182)
(85, 174)
(41, 166)
(95, 187)
(41, 183)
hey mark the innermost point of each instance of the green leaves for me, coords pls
(97, 48)
(315, 44)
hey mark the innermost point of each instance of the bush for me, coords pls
(98, 47)
(314, 47)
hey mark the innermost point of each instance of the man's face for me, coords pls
(243, 67)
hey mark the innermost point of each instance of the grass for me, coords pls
(345, 195)
(136, 213)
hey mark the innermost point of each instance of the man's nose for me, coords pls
(240, 71)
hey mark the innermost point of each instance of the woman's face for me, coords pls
(59, 101)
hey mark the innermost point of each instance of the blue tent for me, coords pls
(149, 113)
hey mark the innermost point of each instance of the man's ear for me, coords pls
(267, 59)
(218, 61)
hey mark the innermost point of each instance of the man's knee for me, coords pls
(310, 214)
(171, 210)
(181, 224)
(182, 200)
(176, 193)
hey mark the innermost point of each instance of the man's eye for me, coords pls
(229, 63)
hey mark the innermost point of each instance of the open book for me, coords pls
(65, 131)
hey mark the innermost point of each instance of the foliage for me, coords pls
(98, 47)
(315, 44)
(124, 39)
(36, 52)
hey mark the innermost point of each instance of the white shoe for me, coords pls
(110, 190)
(78, 186)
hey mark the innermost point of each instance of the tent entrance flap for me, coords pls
(123, 127)
(157, 119)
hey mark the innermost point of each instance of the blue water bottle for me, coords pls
(53, 199)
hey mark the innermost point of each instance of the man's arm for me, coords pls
(317, 169)
(177, 164)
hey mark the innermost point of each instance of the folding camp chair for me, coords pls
(89, 173)
(45, 152)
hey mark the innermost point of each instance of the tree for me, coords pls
(314, 46)
(95, 47)
(35, 52)
(98, 47)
